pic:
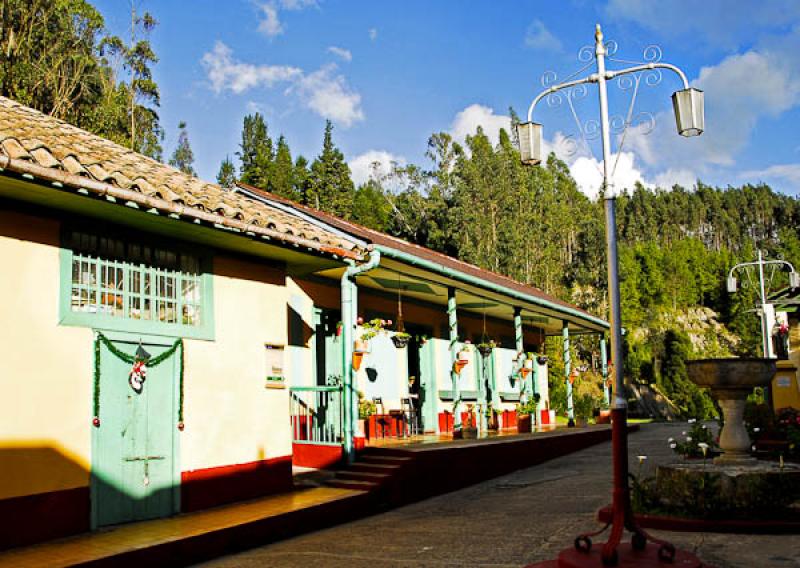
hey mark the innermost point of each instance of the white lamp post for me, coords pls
(688, 106)
(767, 309)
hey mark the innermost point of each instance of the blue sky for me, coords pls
(389, 74)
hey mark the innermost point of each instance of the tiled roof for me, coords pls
(37, 144)
(379, 238)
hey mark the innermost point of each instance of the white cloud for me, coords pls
(373, 163)
(270, 23)
(468, 120)
(721, 24)
(786, 172)
(330, 96)
(373, 34)
(739, 91)
(225, 73)
(323, 91)
(341, 52)
(537, 36)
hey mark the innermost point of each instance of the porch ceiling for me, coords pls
(431, 288)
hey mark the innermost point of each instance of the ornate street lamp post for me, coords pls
(688, 107)
(767, 309)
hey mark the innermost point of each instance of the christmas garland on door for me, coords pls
(140, 362)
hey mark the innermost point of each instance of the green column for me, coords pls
(518, 340)
(604, 369)
(567, 371)
(348, 328)
(452, 319)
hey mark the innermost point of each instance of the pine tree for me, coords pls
(256, 152)
(330, 186)
(301, 178)
(227, 174)
(183, 157)
(283, 182)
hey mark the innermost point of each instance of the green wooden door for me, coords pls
(133, 460)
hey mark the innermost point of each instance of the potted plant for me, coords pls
(366, 408)
(527, 366)
(485, 347)
(582, 406)
(370, 330)
(462, 358)
(525, 412)
(468, 428)
(401, 339)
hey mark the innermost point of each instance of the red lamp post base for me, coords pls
(628, 557)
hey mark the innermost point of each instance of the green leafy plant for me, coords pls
(366, 408)
(529, 408)
(583, 405)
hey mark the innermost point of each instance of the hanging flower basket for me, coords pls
(542, 359)
(401, 340)
(358, 357)
(484, 350)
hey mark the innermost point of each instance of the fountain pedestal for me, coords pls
(731, 381)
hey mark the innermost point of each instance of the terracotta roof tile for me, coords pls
(49, 143)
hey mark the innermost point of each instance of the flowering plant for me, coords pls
(373, 327)
(696, 443)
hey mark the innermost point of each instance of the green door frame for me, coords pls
(159, 340)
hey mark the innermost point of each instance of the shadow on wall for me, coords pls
(26, 519)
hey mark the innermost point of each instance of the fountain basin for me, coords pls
(732, 376)
(728, 491)
(730, 381)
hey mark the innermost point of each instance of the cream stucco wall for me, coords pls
(45, 407)
(231, 417)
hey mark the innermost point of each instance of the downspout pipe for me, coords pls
(349, 292)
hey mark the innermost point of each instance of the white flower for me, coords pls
(753, 447)
(704, 426)
(756, 429)
(702, 445)
(671, 440)
(673, 445)
(692, 420)
(683, 433)
(641, 459)
(688, 438)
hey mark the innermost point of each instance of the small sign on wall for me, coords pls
(274, 363)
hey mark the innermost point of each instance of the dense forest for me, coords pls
(474, 201)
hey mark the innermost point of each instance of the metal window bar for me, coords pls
(135, 291)
(316, 416)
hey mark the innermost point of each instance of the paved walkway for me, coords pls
(527, 516)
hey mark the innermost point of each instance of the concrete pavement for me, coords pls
(523, 517)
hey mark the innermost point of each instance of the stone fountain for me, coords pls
(735, 484)
(731, 381)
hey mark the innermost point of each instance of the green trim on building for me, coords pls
(204, 330)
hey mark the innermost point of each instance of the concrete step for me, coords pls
(353, 484)
(362, 476)
(387, 468)
(398, 460)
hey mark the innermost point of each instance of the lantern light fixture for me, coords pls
(688, 105)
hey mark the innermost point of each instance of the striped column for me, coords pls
(567, 371)
(604, 369)
(452, 320)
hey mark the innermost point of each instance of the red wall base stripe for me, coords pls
(36, 518)
(203, 488)
(316, 456)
